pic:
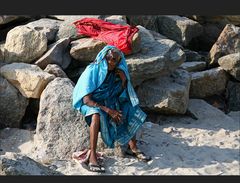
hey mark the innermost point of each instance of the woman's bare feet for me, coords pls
(93, 164)
(133, 150)
(93, 158)
(133, 144)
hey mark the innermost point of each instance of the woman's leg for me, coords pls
(133, 144)
(137, 153)
(94, 129)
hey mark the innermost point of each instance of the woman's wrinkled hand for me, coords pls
(115, 115)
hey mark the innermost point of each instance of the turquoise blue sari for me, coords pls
(106, 89)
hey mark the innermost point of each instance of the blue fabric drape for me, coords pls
(106, 89)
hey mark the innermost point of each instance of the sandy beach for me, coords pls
(179, 145)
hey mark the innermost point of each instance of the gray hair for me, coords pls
(112, 52)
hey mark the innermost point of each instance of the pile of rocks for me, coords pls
(41, 60)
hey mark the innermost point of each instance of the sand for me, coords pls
(179, 145)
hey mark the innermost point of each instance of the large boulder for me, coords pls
(24, 44)
(233, 95)
(193, 66)
(193, 56)
(231, 64)
(210, 34)
(135, 44)
(156, 58)
(228, 42)
(47, 26)
(29, 79)
(207, 83)
(58, 53)
(8, 22)
(67, 30)
(147, 21)
(208, 115)
(156, 35)
(217, 19)
(55, 70)
(7, 18)
(212, 28)
(75, 73)
(13, 105)
(166, 94)
(17, 164)
(4, 19)
(16, 140)
(2, 64)
(180, 29)
(61, 130)
(233, 19)
(116, 19)
(86, 49)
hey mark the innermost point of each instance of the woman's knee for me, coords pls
(96, 118)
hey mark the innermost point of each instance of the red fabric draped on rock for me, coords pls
(116, 35)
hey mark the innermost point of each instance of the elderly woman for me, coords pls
(105, 96)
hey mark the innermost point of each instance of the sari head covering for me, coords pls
(94, 80)
(94, 75)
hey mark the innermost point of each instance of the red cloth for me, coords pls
(116, 35)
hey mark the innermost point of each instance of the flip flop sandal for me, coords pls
(139, 155)
(96, 168)
(100, 162)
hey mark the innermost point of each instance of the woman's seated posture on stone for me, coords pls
(105, 96)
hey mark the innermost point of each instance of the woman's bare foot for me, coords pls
(93, 163)
(93, 158)
(133, 145)
(136, 152)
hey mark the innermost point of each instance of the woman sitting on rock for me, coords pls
(105, 96)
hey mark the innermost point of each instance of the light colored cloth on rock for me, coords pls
(83, 156)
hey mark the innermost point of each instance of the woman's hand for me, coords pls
(115, 115)
(122, 76)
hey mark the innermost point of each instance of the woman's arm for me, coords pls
(88, 101)
(122, 76)
(116, 115)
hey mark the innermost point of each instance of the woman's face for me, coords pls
(113, 62)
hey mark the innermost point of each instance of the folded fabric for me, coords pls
(116, 35)
(83, 155)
